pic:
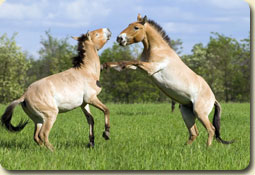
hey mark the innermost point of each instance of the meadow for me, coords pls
(143, 137)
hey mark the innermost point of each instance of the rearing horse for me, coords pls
(172, 76)
(64, 91)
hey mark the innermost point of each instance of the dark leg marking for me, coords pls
(106, 133)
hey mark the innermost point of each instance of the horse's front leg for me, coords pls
(98, 104)
(149, 67)
(86, 111)
(114, 65)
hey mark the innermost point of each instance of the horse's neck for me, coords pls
(151, 42)
(91, 62)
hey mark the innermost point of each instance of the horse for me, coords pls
(172, 76)
(65, 91)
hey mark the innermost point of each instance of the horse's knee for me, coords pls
(107, 112)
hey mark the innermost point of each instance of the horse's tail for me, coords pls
(7, 116)
(216, 123)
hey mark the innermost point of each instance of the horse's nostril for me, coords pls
(119, 39)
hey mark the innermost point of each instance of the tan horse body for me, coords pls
(64, 91)
(172, 76)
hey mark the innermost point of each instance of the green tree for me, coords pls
(55, 56)
(197, 61)
(13, 69)
(241, 80)
(224, 54)
(224, 63)
(177, 46)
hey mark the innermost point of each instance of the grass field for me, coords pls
(143, 137)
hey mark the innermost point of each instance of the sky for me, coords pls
(192, 21)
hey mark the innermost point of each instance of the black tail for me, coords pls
(216, 123)
(7, 116)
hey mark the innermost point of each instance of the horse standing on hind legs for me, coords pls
(64, 91)
(172, 76)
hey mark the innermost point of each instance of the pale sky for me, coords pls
(192, 21)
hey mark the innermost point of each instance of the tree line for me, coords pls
(224, 62)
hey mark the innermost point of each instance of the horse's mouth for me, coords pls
(123, 43)
(109, 35)
(122, 40)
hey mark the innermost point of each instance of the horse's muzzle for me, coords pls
(119, 39)
(122, 40)
(108, 33)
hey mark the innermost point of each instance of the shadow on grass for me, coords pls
(132, 113)
(73, 144)
(13, 144)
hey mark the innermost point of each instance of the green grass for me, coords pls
(143, 137)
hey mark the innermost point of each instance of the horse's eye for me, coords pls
(136, 28)
(97, 34)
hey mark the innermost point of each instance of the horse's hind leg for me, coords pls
(209, 127)
(38, 121)
(202, 113)
(91, 124)
(98, 104)
(45, 130)
(37, 139)
(189, 119)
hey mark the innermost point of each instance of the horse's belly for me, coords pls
(172, 87)
(64, 107)
(68, 102)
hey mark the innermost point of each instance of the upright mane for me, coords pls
(160, 30)
(78, 60)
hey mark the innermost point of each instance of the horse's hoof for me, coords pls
(50, 147)
(90, 145)
(106, 135)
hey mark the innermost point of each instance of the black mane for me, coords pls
(78, 60)
(161, 31)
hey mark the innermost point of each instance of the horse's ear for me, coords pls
(88, 35)
(75, 38)
(139, 18)
(144, 20)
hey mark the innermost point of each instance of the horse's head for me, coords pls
(97, 37)
(134, 33)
